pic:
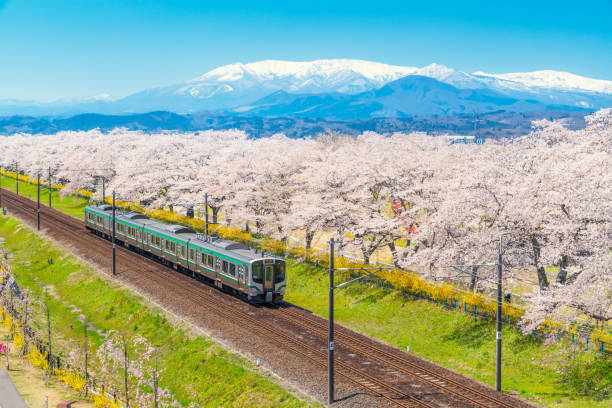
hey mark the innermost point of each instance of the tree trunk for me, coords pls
(366, 254)
(474, 278)
(391, 246)
(309, 238)
(542, 278)
(562, 275)
(215, 213)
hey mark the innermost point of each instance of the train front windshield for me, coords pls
(279, 271)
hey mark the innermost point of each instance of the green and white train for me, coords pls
(231, 266)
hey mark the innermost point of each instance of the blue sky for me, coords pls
(54, 49)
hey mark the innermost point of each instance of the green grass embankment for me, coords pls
(551, 375)
(69, 204)
(197, 370)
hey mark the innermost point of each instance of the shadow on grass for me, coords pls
(471, 334)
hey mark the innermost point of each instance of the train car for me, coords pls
(231, 266)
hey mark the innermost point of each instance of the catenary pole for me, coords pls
(155, 380)
(499, 323)
(17, 177)
(85, 341)
(50, 185)
(330, 352)
(206, 211)
(103, 190)
(49, 334)
(114, 244)
(125, 373)
(38, 202)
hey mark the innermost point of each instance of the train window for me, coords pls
(182, 251)
(279, 272)
(232, 269)
(225, 266)
(203, 258)
(191, 254)
(257, 271)
(173, 247)
(157, 241)
(167, 245)
(211, 261)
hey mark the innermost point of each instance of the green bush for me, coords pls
(589, 375)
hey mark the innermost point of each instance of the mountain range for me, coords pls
(343, 89)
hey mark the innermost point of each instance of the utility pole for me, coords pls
(463, 271)
(114, 245)
(38, 202)
(155, 380)
(332, 287)
(125, 374)
(50, 185)
(49, 334)
(86, 374)
(17, 176)
(499, 322)
(330, 350)
(206, 211)
(103, 190)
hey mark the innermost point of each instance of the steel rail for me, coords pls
(437, 380)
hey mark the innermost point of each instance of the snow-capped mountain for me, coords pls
(239, 87)
(240, 84)
(336, 75)
(555, 80)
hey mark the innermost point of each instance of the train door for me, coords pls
(269, 282)
(241, 275)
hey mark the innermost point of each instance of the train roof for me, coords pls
(226, 247)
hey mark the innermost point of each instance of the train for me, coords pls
(247, 273)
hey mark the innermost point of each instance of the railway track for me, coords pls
(139, 269)
(76, 228)
(395, 361)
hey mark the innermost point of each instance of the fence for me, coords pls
(36, 351)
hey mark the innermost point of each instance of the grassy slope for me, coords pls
(197, 366)
(452, 339)
(70, 205)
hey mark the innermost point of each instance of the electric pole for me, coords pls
(103, 191)
(155, 380)
(330, 352)
(125, 373)
(206, 211)
(114, 245)
(17, 177)
(499, 322)
(49, 333)
(38, 202)
(86, 374)
(50, 185)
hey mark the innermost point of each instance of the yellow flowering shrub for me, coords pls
(71, 378)
(37, 359)
(102, 401)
